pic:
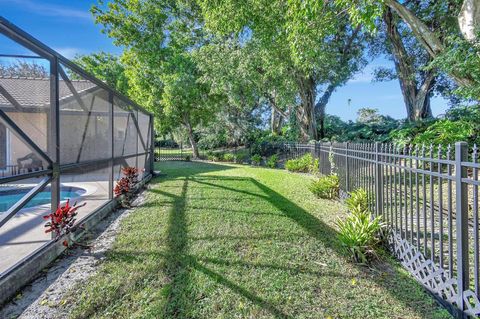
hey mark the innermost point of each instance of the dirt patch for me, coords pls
(45, 296)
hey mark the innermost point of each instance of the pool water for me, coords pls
(9, 197)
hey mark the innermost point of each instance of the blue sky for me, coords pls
(68, 27)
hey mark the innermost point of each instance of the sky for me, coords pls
(68, 27)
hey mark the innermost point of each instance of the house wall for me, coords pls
(34, 125)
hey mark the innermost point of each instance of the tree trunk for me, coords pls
(276, 121)
(308, 121)
(429, 40)
(191, 137)
(421, 106)
(469, 19)
(416, 98)
(320, 107)
(277, 115)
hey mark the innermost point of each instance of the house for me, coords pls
(84, 129)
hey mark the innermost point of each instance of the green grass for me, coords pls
(232, 241)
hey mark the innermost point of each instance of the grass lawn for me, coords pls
(232, 241)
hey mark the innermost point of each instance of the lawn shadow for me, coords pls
(319, 230)
(179, 263)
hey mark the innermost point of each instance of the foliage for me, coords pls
(229, 157)
(214, 157)
(305, 49)
(304, 164)
(326, 187)
(446, 132)
(166, 143)
(266, 148)
(125, 186)
(357, 201)
(22, 68)
(369, 126)
(434, 27)
(256, 159)
(459, 124)
(272, 161)
(62, 220)
(160, 60)
(405, 134)
(106, 67)
(359, 234)
(240, 156)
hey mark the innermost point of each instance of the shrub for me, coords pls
(272, 161)
(187, 158)
(240, 157)
(62, 220)
(357, 201)
(125, 186)
(214, 157)
(166, 143)
(446, 132)
(304, 164)
(313, 167)
(256, 159)
(229, 157)
(360, 235)
(326, 187)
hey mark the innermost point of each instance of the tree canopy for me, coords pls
(231, 69)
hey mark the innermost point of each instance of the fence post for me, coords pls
(378, 181)
(152, 144)
(347, 173)
(461, 196)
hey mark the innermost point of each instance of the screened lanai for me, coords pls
(63, 135)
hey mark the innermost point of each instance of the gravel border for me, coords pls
(44, 296)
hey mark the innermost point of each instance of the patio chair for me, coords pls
(29, 163)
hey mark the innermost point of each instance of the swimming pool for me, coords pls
(9, 197)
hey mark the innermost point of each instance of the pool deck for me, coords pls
(24, 233)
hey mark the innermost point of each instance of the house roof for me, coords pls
(35, 92)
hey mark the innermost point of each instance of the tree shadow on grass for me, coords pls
(179, 263)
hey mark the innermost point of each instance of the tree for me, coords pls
(185, 100)
(452, 44)
(23, 69)
(318, 49)
(106, 67)
(242, 74)
(368, 115)
(160, 38)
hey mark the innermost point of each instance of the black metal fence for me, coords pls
(182, 152)
(428, 197)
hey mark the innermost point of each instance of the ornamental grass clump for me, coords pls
(327, 187)
(360, 233)
(305, 164)
(272, 161)
(229, 157)
(256, 159)
(357, 200)
(126, 185)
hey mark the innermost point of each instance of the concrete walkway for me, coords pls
(25, 232)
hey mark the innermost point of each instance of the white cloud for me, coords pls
(363, 77)
(49, 9)
(68, 52)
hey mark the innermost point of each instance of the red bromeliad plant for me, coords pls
(126, 184)
(62, 220)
